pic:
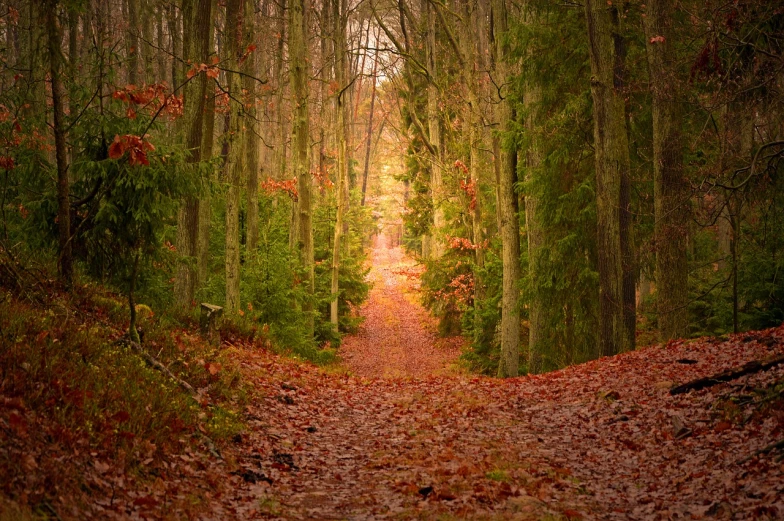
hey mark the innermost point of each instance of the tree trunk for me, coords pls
(234, 165)
(197, 18)
(369, 137)
(251, 131)
(343, 106)
(510, 224)
(300, 160)
(670, 189)
(612, 164)
(535, 235)
(207, 148)
(132, 42)
(65, 259)
(436, 243)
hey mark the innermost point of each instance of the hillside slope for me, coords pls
(603, 440)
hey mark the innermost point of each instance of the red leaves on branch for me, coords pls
(463, 244)
(210, 71)
(136, 147)
(270, 186)
(467, 186)
(154, 97)
(6, 162)
(322, 179)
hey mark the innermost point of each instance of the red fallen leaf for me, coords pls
(126, 435)
(251, 47)
(723, 426)
(18, 424)
(213, 368)
(572, 514)
(145, 501)
(122, 416)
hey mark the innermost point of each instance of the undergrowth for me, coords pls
(68, 379)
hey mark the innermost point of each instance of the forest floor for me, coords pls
(398, 336)
(399, 433)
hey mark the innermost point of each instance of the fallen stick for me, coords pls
(755, 366)
(162, 368)
(764, 450)
(182, 383)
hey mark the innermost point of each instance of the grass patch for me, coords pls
(499, 475)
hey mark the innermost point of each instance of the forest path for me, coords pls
(398, 337)
(596, 441)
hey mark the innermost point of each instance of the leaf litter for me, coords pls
(402, 435)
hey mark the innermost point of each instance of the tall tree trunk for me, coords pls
(670, 189)
(235, 163)
(369, 137)
(207, 148)
(132, 41)
(61, 151)
(251, 131)
(197, 18)
(434, 134)
(300, 160)
(537, 324)
(612, 164)
(341, 78)
(468, 57)
(510, 224)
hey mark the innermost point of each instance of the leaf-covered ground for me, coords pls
(398, 337)
(402, 438)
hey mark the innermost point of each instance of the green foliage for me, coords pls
(483, 318)
(447, 285)
(566, 286)
(353, 288)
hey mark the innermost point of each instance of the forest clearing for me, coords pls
(391, 259)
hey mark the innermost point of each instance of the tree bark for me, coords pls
(436, 243)
(537, 323)
(612, 164)
(670, 189)
(369, 137)
(300, 160)
(65, 260)
(251, 131)
(197, 18)
(343, 106)
(132, 43)
(510, 224)
(207, 149)
(235, 163)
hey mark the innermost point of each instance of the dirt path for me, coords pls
(594, 441)
(398, 337)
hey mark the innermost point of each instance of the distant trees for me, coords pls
(138, 93)
(578, 178)
(622, 133)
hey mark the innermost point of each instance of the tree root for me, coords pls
(764, 450)
(752, 367)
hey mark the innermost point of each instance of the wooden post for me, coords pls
(209, 322)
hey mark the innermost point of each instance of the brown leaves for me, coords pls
(136, 147)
